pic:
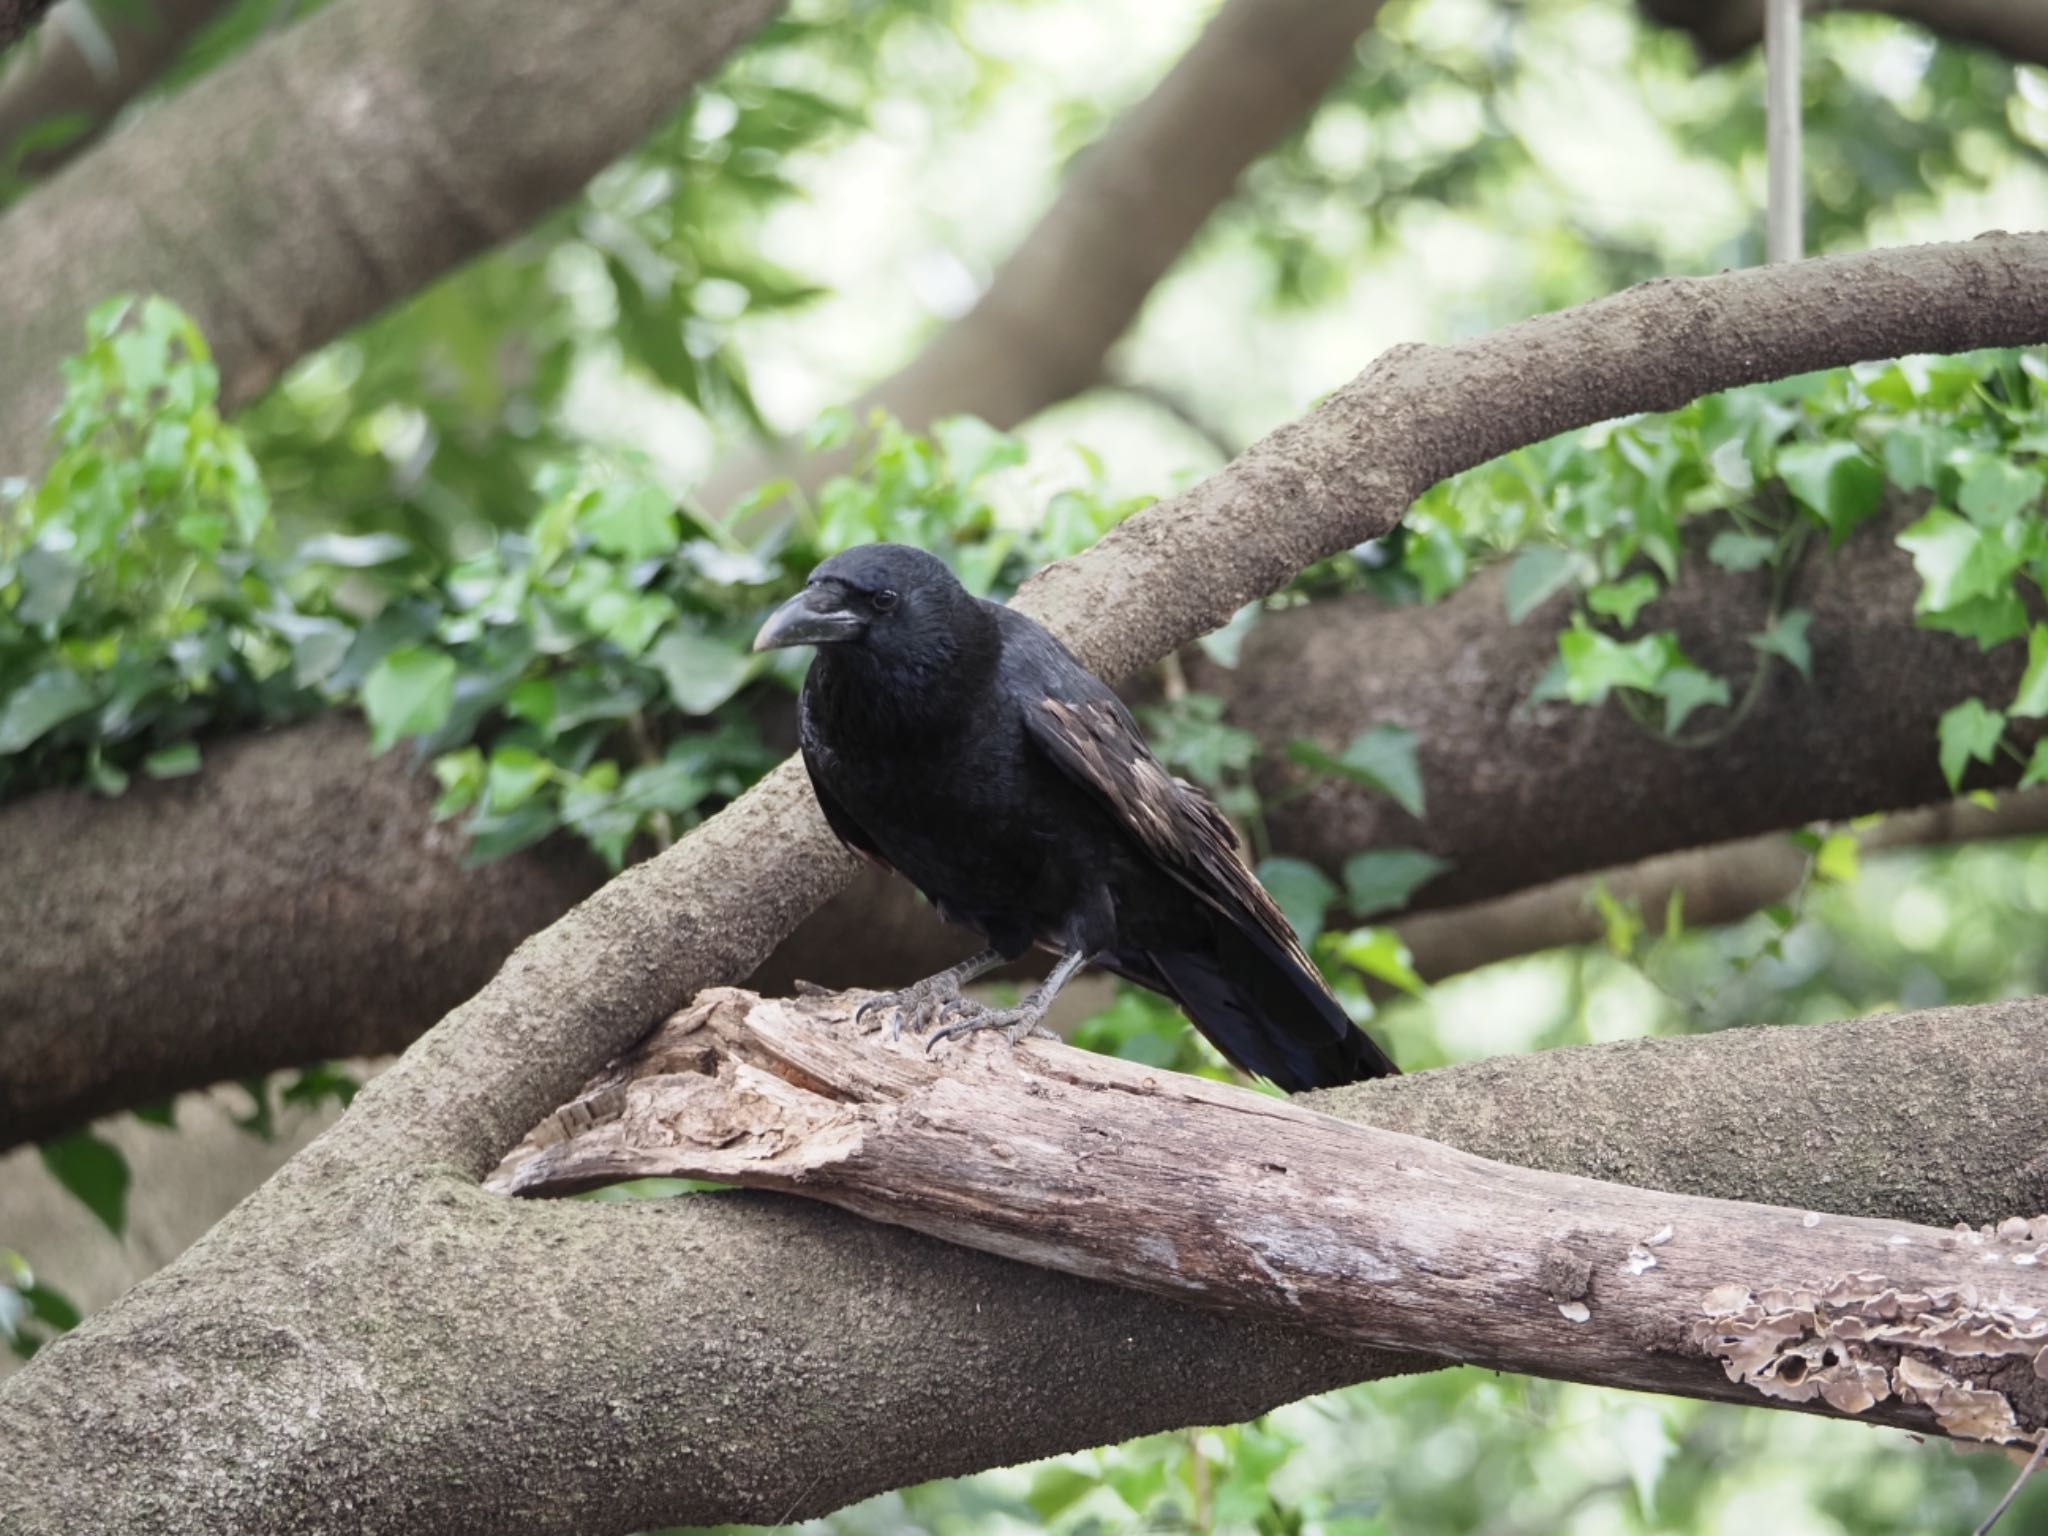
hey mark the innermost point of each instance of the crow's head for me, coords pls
(897, 604)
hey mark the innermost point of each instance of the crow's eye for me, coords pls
(884, 601)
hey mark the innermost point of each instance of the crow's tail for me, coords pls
(1261, 1008)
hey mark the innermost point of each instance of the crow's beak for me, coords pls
(812, 617)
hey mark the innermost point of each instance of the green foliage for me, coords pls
(94, 1171)
(31, 1313)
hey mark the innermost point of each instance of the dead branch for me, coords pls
(1240, 1203)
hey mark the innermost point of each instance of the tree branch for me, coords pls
(1723, 28)
(62, 78)
(248, 1384)
(1238, 1203)
(415, 138)
(1132, 204)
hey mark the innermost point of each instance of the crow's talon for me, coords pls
(923, 1002)
(1017, 1024)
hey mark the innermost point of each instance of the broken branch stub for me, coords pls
(1244, 1203)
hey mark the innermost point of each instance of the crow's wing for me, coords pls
(1073, 717)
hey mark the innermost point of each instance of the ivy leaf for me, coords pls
(1686, 688)
(408, 693)
(1835, 481)
(1956, 560)
(1786, 638)
(49, 581)
(1621, 601)
(1838, 859)
(1303, 892)
(178, 762)
(45, 701)
(1995, 490)
(1912, 458)
(633, 523)
(1968, 733)
(2037, 766)
(2032, 699)
(1534, 576)
(1734, 551)
(701, 673)
(1595, 664)
(94, 1171)
(515, 776)
(1386, 879)
(1382, 759)
(1379, 952)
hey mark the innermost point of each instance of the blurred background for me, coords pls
(984, 275)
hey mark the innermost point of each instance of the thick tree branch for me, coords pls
(1260, 1208)
(591, 1369)
(1133, 203)
(415, 137)
(63, 78)
(1724, 28)
(152, 929)
(174, 1408)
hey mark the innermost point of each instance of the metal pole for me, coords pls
(1786, 226)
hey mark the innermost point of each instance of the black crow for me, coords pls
(957, 742)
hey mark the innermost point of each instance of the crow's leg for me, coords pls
(924, 1000)
(1018, 1022)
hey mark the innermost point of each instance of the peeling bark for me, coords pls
(372, 1330)
(1256, 1207)
(335, 168)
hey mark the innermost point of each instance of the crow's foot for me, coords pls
(1017, 1024)
(921, 1002)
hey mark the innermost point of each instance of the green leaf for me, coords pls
(1383, 759)
(1957, 560)
(2037, 766)
(1995, 490)
(1968, 733)
(352, 551)
(1537, 573)
(1912, 458)
(1685, 689)
(49, 581)
(516, 774)
(1786, 638)
(1379, 952)
(1385, 879)
(973, 448)
(634, 523)
(46, 700)
(1838, 859)
(1834, 481)
(701, 673)
(176, 762)
(461, 777)
(94, 1171)
(1621, 921)
(1596, 663)
(408, 693)
(1734, 551)
(1303, 892)
(2032, 699)
(1623, 600)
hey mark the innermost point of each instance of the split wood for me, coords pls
(1240, 1202)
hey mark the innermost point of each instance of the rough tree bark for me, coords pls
(1724, 28)
(415, 138)
(1518, 799)
(324, 1343)
(1133, 203)
(62, 78)
(1256, 1207)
